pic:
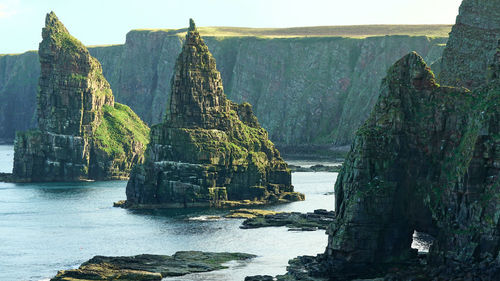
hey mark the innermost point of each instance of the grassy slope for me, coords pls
(355, 31)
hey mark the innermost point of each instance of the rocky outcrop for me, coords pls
(295, 221)
(83, 134)
(427, 160)
(472, 44)
(304, 90)
(209, 150)
(149, 267)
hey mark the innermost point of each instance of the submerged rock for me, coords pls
(255, 218)
(83, 134)
(149, 267)
(319, 219)
(209, 151)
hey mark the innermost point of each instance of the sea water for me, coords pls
(46, 227)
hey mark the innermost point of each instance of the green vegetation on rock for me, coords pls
(83, 133)
(149, 267)
(209, 151)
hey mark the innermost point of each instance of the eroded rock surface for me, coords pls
(472, 44)
(83, 134)
(305, 91)
(209, 151)
(295, 221)
(427, 159)
(149, 267)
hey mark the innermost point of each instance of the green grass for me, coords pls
(355, 31)
(119, 129)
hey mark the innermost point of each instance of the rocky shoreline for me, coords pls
(286, 197)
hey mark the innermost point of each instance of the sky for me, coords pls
(101, 22)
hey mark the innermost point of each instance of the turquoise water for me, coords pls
(48, 227)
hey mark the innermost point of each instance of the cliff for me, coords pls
(428, 160)
(305, 90)
(209, 151)
(83, 133)
(472, 44)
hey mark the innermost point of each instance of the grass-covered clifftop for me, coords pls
(306, 85)
(351, 31)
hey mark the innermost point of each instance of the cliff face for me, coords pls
(427, 159)
(209, 150)
(472, 43)
(18, 87)
(304, 90)
(83, 133)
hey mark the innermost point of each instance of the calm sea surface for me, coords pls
(52, 226)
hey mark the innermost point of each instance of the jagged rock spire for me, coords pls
(72, 87)
(197, 97)
(192, 26)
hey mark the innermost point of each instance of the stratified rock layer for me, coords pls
(83, 133)
(209, 150)
(472, 44)
(427, 159)
(309, 90)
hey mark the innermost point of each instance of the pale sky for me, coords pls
(99, 22)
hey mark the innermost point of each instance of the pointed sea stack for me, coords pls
(209, 151)
(83, 134)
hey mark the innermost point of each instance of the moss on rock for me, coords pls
(209, 150)
(83, 133)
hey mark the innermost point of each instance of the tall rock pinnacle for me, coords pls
(209, 151)
(83, 133)
(72, 87)
(197, 97)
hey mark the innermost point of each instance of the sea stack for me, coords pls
(208, 151)
(427, 160)
(83, 134)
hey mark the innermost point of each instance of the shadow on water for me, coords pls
(61, 190)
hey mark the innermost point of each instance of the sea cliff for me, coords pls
(305, 90)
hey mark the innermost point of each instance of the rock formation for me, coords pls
(428, 160)
(149, 267)
(209, 150)
(472, 44)
(83, 134)
(305, 91)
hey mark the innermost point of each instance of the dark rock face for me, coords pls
(319, 219)
(209, 150)
(83, 133)
(427, 159)
(149, 267)
(472, 44)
